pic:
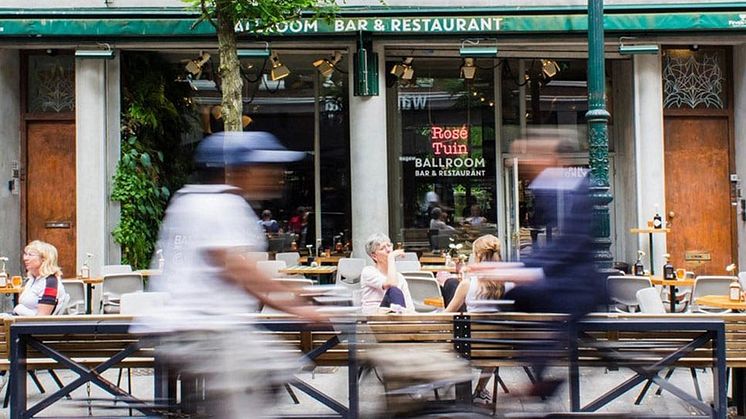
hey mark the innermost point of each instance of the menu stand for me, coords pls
(650, 232)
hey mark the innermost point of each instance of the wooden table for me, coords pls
(15, 291)
(721, 301)
(330, 260)
(90, 284)
(437, 268)
(650, 232)
(149, 272)
(672, 284)
(432, 260)
(316, 271)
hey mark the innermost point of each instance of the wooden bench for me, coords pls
(437, 331)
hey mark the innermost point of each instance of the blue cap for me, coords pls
(243, 148)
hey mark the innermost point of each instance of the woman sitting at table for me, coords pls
(44, 287)
(472, 290)
(381, 285)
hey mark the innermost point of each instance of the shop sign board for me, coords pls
(449, 155)
(19, 23)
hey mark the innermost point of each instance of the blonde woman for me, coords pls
(486, 249)
(43, 287)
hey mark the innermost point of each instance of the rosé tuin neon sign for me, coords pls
(445, 140)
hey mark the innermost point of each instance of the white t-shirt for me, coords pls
(199, 218)
(33, 292)
(371, 283)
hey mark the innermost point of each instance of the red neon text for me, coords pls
(445, 140)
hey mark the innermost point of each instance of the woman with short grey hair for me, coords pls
(381, 285)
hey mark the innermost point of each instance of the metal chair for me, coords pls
(407, 265)
(61, 305)
(410, 256)
(650, 301)
(709, 285)
(114, 286)
(418, 274)
(115, 269)
(622, 290)
(422, 288)
(75, 288)
(348, 272)
(256, 256)
(271, 268)
(290, 258)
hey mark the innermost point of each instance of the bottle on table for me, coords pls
(657, 220)
(3, 273)
(735, 290)
(669, 273)
(639, 268)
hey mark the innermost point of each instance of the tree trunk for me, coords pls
(230, 74)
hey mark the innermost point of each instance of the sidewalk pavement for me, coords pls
(594, 382)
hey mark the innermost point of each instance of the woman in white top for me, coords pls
(471, 290)
(381, 285)
(43, 289)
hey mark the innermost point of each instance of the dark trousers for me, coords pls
(393, 295)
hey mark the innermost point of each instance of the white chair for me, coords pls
(114, 286)
(138, 303)
(75, 288)
(61, 305)
(115, 269)
(421, 288)
(410, 256)
(348, 272)
(407, 265)
(294, 282)
(623, 290)
(290, 258)
(271, 268)
(418, 274)
(256, 256)
(650, 301)
(709, 285)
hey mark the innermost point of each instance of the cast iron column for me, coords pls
(598, 135)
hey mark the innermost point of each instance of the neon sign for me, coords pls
(445, 140)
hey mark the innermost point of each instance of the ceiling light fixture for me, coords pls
(326, 65)
(279, 70)
(468, 69)
(105, 53)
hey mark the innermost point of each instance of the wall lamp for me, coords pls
(550, 68)
(326, 65)
(279, 70)
(404, 70)
(101, 54)
(471, 48)
(638, 49)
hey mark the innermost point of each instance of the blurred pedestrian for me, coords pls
(206, 230)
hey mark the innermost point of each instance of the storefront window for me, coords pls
(442, 153)
(306, 111)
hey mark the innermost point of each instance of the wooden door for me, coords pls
(50, 187)
(697, 161)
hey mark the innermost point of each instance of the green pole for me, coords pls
(598, 134)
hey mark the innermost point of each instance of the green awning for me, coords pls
(96, 26)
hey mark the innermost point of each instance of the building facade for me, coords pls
(423, 104)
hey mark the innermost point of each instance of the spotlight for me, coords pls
(549, 68)
(194, 67)
(279, 70)
(404, 69)
(468, 69)
(326, 65)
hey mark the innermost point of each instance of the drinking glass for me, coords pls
(16, 280)
(680, 273)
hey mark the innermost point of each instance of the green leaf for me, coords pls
(145, 159)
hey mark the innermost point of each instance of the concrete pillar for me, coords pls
(739, 130)
(10, 144)
(648, 105)
(97, 146)
(368, 161)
